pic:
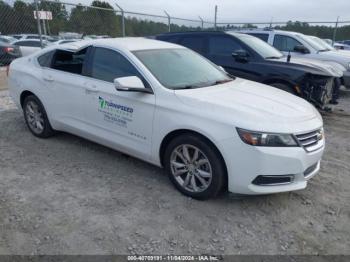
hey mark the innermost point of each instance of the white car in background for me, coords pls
(29, 46)
(65, 41)
(301, 45)
(7, 39)
(169, 106)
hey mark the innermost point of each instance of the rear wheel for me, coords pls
(36, 117)
(194, 167)
(284, 87)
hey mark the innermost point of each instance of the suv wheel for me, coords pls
(36, 118)
(194, 167)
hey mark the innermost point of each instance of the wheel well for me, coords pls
(24, 95)
(167, 139)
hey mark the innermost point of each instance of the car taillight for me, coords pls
(8, 49)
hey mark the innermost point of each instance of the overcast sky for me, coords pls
(244, 10)
(239, 10)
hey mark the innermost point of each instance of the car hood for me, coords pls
(330, 69)
(253, 106)
(342, 57)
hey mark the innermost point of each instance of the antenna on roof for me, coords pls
(289, 57)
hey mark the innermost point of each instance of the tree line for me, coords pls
(96, 20)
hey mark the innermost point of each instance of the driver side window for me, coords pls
(223, 46)
(108, 64)
(285, 43)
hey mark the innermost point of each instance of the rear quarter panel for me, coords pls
(26, 75)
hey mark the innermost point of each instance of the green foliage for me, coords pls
(103, 20)
(322, 31)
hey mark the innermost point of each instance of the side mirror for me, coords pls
(241, 55)
(131, 84)
(301, 49)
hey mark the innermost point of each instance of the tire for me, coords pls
(204, 176)
(284, 87)
(36, 117)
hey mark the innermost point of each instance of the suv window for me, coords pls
(68, 61)
(108, 64)
(222, 45)
(196, 43)
(264, 37)
(28, 43)
(285, 43)
(46, 59)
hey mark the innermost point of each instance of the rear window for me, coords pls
(28, 43)
(196, 43)
(264, 37)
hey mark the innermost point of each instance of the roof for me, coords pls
(126, 43)
(257, 30)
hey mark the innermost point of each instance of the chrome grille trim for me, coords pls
(311, 141)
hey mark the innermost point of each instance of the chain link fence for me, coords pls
(100, 19)
(105, 19)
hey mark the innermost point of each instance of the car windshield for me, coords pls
(259, 46)
(181, 68)
(313, 44)
(322, 43)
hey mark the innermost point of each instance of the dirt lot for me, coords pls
(2, 78)
(66, 195)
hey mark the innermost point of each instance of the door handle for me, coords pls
(91, 89)
(48, 78)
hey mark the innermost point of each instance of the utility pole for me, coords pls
(215, 17)
(123, 19)
(169, 22)
(335, 30)
(202, 22)
(38, 22)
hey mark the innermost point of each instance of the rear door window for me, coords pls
(68, 61)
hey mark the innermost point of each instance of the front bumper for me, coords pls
(245, 163)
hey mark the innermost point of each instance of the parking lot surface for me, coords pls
(66, 195)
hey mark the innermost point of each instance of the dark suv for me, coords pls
(248, 57)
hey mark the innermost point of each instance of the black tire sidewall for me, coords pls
(47, 131)
(218, 170)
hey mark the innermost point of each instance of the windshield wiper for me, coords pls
(186, 87)
(273, 57)
(222, 81)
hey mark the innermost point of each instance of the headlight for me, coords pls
(266, 139)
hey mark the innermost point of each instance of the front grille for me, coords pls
(311, 141)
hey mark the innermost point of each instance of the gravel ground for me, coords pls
(3, 78)
(66, 195)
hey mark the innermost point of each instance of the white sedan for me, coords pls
(169, 106)
(29, 46)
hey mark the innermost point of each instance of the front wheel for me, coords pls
(195, 167)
